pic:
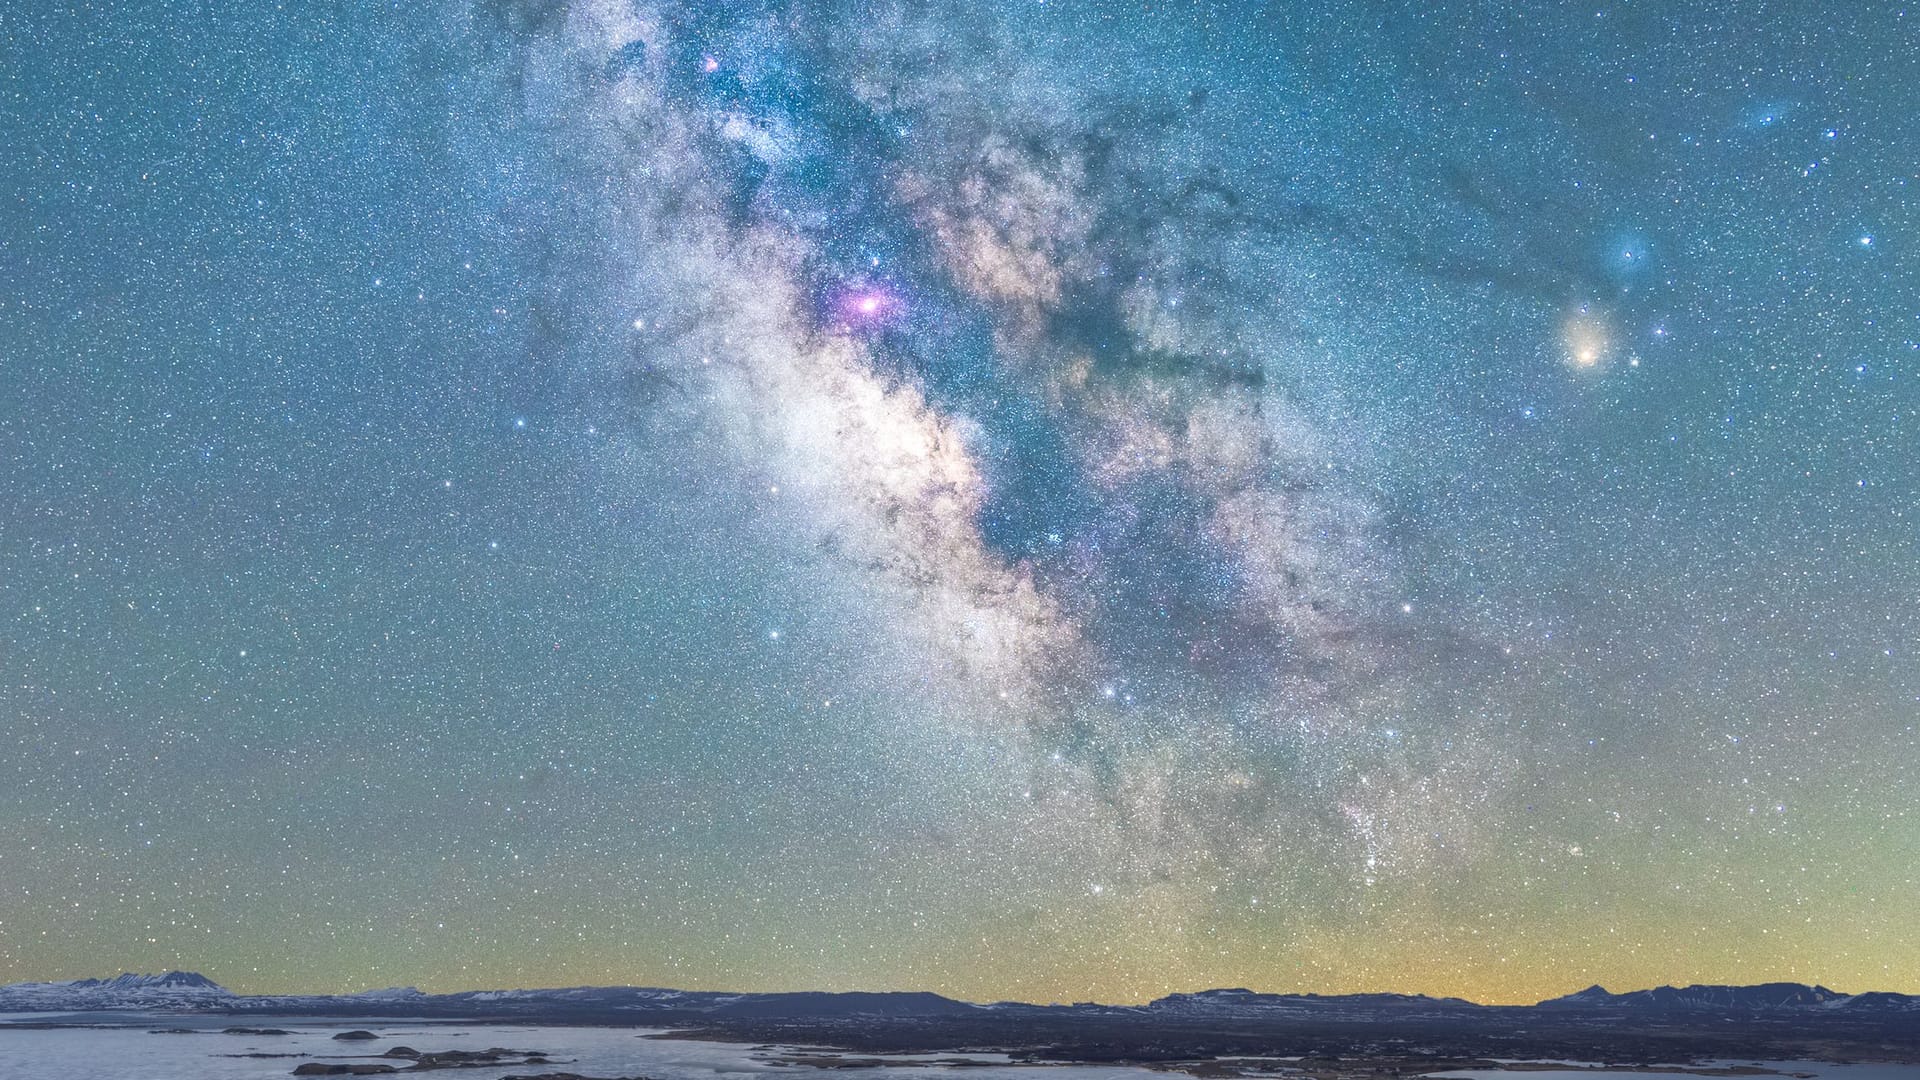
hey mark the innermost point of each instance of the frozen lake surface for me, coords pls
(133, 1053)
(129, 1050)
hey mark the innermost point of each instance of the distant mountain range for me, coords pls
(191, 992)
(175, 989)
(1760, 997)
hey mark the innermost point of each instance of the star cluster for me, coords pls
(1050, 500)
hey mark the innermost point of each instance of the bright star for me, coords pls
(1585, 339)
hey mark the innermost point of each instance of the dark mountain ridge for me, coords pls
(1200, 1033)
(1776, 995)
(191, 990)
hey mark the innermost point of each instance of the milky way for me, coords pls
(1048, 501)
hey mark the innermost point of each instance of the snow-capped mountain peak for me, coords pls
(172, 980)
(126, 990)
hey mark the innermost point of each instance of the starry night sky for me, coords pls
(1051, 500)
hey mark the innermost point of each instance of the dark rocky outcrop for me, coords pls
(568, 1076)
(466, 1059)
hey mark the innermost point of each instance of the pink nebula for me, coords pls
(866, 306)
